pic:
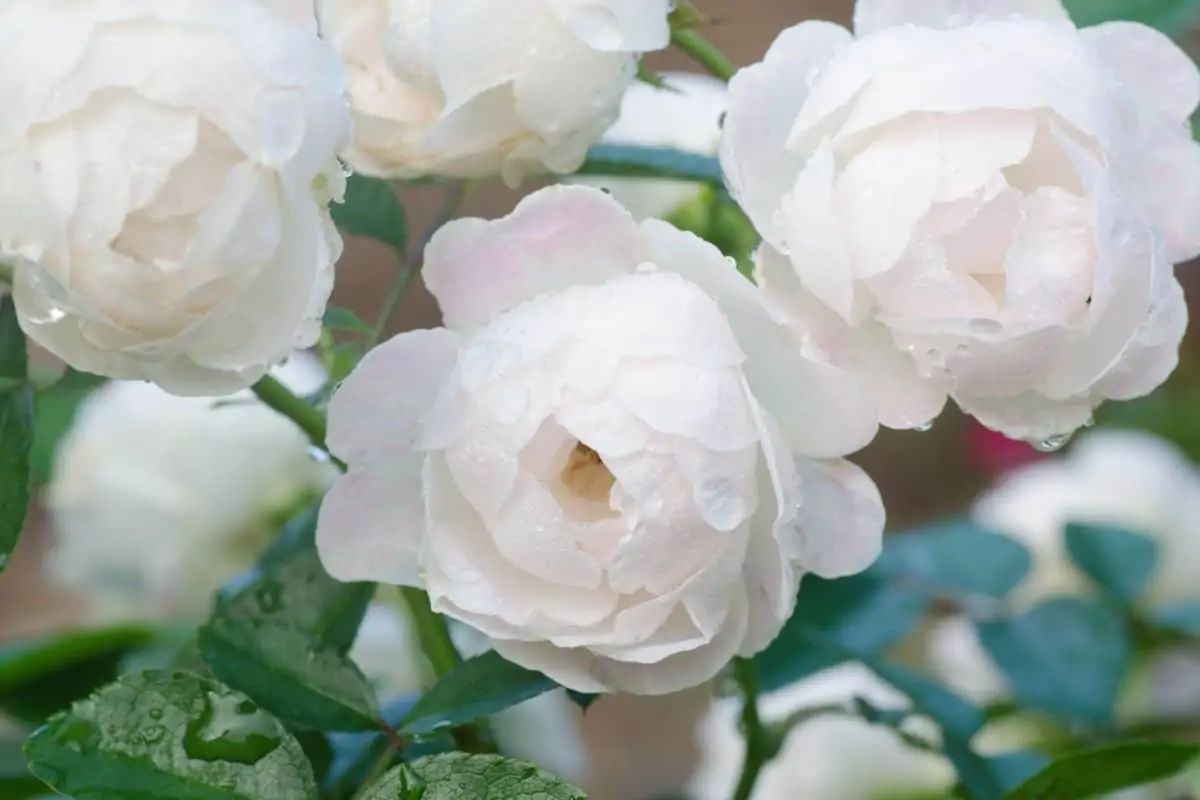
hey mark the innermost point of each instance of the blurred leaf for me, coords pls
(343, 319)
(582, 699)
(953, 714)
(16, 781)
(16, 430)
(992, 777)
(459, 776)
(633, 161)
(478, 687)
(1183, 617)
(1078, 776)
(39, 676)
(317, 750)
(1066, 656)
(957, 557)
(863, 614)
(159, 734)
(372, 209)
(1119, 561)
(1172, 17)
(283, 637)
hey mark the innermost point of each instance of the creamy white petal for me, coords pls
(874, 15)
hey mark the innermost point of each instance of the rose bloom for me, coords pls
(685, 114)
(974, 200)
(156, 500)
(167, 170)
(486, 87)
(607, 461)
(828, 757)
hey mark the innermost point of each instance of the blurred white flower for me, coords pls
(165, 207)
(974, 200)
(389, 654)
(607, 461)
(685, 115)
(828, 757)
(1126, 479)
(157, 500)
(486, 87)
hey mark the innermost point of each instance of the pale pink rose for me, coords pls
(608, 461)
(974, 200)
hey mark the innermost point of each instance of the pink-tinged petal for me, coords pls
(558, 237)
(824, 411)
(1031, 416)
(764, 100)
(922, 287)
(373, 415)
(905, 399)
(1166, 182)
(470, 577)
(976, 146)
(884, 191)
(840, 521)
(1153, 353)
(1007, 65)
(1050, 266)
(630, 26)
(813, 237)
(584, 671)
(372, 521)
(1151, 69)
(871, 16)
(771, 577)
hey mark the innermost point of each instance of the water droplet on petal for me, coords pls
(1052, 443)
(924, 427)
(646, 268)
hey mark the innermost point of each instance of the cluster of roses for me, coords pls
(618, 457)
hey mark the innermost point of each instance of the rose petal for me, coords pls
(559, 237)
(875, 15)
(632, 26)
(764, 100)
(1166, 182)
(371, 419)
(840, 521)
(823, 411)
(1150, 68)
(371, 523)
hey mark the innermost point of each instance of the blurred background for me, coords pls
(644, 747)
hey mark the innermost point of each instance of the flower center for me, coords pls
(585, 474)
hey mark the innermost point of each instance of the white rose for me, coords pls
(975, 200)
(685, 115)
(828, 757)
(474, 89)
(157, 500)
(606, 461)
(167, 168)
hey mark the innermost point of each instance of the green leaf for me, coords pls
(863, 614)
(1182, 617)
(39, 676)
(459, 776)
(343, 319)
(956, 716)
(282, 638)
(159, 734)
(476, 688)
(958, 558)
(1172, 17)
(633, 161)
(371, 209)
(16, 430)
(1066, 656)
(1078, 776)
(1119, 561)
(16, 781)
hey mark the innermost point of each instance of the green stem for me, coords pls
(703, 52)
(757, 737)
(431, 632)
(308, 419)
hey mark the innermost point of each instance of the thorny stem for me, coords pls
(703, 52)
